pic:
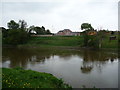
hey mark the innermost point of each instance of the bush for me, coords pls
(16, 36)
(91, 41)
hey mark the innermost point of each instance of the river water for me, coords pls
(77, 67)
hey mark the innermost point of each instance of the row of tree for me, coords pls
(18, 33)
(38, 30)
(31, 30)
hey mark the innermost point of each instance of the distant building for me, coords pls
(67, 32)
(76, 33)
(92, 33)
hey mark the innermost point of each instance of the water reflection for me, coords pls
(20, 57)
(96, 58)
(71, 65)
(86, 67)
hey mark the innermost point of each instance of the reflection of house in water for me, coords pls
(68, 32)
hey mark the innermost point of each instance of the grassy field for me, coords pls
(67, 41)
(19, 78)
(56, 41)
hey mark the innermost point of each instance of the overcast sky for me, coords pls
(62, 14)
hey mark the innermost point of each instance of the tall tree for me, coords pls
(30, 29)
(43, 28)
(86, 26)
(89, 41)
(16, 33)
(48, 31)
(22, 24)
(13, 25)
(39, 30)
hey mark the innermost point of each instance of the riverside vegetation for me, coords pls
(67, 41)
(20, 78)
(18, 34)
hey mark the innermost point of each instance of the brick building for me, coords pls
(67, 32)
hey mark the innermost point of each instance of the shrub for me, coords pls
(16, 36)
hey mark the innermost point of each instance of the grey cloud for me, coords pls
(29, 7)
(60, 15)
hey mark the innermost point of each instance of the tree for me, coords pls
(43, 28)
(30, 29)
(48, 31)
(89, 40)
(112, 32)
(13, 25)
(39, 30)
(16, 34)
(86, 26)
(16, 37)
(22, 24)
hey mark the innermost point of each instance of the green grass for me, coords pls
(19, 78)
(73, 41)
(56, 41)
(66, 41)
(106, 43)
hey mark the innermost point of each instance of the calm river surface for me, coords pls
(78, 68)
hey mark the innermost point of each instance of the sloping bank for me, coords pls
(69, 42)
(19, 78)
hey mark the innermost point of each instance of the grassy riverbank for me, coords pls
(67, 41)
(19, 78)
(56, 41)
